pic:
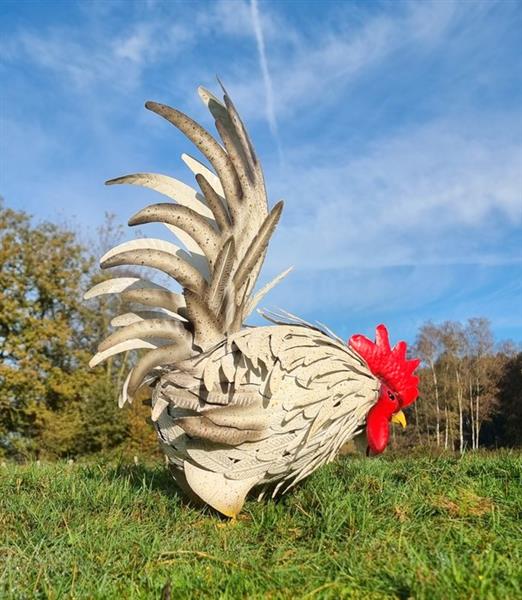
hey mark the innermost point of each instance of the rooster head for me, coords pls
(399, 386)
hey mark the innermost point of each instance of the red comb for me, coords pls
(389, 364)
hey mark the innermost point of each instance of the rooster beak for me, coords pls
(399, 418)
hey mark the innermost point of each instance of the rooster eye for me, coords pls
(390, 395)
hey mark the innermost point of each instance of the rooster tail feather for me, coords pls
(225, 228)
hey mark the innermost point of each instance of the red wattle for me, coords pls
(378, 422)
(377, 430)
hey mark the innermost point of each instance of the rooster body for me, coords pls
(266, 406)
(237, 407)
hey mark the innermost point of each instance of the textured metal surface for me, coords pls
(234, 408)
(268, 404)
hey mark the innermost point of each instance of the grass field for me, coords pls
(382, 528)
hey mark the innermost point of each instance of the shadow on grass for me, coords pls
(160, 479)
(142, 477)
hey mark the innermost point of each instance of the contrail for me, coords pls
(267, 80)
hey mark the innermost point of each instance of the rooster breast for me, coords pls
(266, 406)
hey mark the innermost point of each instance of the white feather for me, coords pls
(122, 399)
(197, 167)
(116, 285)
(134, 344)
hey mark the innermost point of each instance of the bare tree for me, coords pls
(452, 338)
(427, 347)
(479, 347)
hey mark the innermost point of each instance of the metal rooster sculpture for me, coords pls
(236, 407)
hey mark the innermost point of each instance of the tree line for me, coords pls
(470, 387)
(52, 405)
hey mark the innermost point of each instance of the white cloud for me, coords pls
(316, 69)
(88, 58)
(436, 194)
(68, 58)
(135, 46)
(304, 71)
(233, 18)
(263, 64)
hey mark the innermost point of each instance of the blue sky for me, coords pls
(392, 130)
